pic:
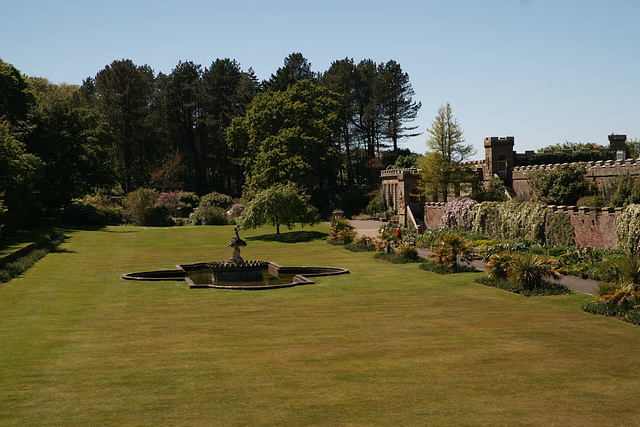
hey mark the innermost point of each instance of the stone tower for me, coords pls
(499, 158)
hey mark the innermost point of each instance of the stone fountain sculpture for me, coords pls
(236, 269)
(236, 243)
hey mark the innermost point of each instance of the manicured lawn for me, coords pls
(385, 345)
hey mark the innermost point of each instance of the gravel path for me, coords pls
(370, 228)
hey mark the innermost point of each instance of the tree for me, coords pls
(71, 139)
(288, 136)
(278, 205)
(398, 107)
(296, 69)
(226, 93)
(18, 178)
(339, 78)
(442, 166)
(182, 108)
(563, 185)
(123, 92)
(15, 99)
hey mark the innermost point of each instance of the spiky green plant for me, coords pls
(499, 265)
(531, 270)
(450, 249)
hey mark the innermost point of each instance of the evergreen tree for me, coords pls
(398, 106)
(123, 92)
(442, 167)
(295, 69)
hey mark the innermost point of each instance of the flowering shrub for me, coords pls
(628, 229)
(171, 200)
(141, 209)
(458, 213)
(510, 220)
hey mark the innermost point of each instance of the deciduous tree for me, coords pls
(288, 136)
(278, 205)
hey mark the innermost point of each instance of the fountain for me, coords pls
(236, 273)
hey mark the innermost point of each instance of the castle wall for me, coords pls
(595, 227)
(599, 172)
(433, 212)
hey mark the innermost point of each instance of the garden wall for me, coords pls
(598, 172)
(433, 212)
(595, 227)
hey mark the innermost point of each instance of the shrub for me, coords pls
(499, 266)
(236, 210)
(530, 271)
(628, 229)
(215, 199)
(510, 220)
(563, 185)
(394, 258)
(354, 247)
(209, 215)
(375, 206)
(22, 264)
(452, 246)
(141, 209)
(431, 237)
(160, 216)
(458, 213)
(544, 288)
(347, 236)
(338, 225)
(187, 202)
(432, 266)
(558, 230)
(407, 251)
(93, 210)
(171, 200)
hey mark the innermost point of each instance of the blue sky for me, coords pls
(544, 71)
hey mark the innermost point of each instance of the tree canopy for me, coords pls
(288, 136)
(278, 205)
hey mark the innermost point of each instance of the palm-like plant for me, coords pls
(499, 266)
(452, 246)
(629, 272)
(386, 240)
(337, 226)
(531, 270)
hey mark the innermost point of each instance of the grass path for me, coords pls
(385, 345)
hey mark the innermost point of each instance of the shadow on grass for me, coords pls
(291, 237)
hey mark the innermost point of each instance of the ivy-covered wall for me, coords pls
(595, 227)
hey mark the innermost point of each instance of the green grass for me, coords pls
(385, 345)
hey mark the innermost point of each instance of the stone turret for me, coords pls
(499, 158)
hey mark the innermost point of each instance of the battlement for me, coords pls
(490, 141)
(631, 163)
(389, 173)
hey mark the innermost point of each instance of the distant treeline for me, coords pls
(201, 129)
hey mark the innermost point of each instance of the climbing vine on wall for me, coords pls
(559, 231)
(628, 229)
(510, 220)
(458, 213)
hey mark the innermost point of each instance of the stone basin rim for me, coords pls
(301, 274)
